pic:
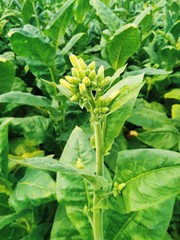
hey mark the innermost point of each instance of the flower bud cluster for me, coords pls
(118, 188)
(84, 79)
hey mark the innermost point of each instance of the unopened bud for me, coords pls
(72, 80)
(86, 81)
(92, 141)
(64, 83)
(82, 64)
(92, 75)
(79, 164)
(105, 110)
(94, 84)
(75, 62)
(121, 187)
(111, 97)
(116, 184)
(81, 74)
(74, 98)
(92, 65)
(100, 73)
(107, 80)
(82, 89)
(74, 72)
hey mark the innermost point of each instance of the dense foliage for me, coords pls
(42, 198)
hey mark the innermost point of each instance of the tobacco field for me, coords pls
(89, 120)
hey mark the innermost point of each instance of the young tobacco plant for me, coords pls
(92, 91)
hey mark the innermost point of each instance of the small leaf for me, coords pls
(175, 111)
(7, 75)
(142, 15)
(174, 93)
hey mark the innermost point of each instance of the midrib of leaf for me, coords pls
(151, 171)
(129, 219)
(32, 184)
(116, 62)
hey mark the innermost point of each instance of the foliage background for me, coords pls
(36, 39)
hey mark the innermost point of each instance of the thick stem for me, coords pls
(97, 212)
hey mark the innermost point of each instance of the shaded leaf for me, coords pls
(7, 75)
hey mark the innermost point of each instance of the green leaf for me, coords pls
(34, 129)
(27, 11)
(122, 45)
(151, 176)
(121, 108)
(40, 57)
(144, 115)
(35, 188)
(71, 43)
(106, 15)
(62, 227)
(57, 26)
(165, 137)
(24, 99)
(117, 73)
(4, 147)
(175, 111)
(72, 190)
(7, 219)
(7, 75)
(142, 15)
(80, 10)
(174, 93)
(141, 225)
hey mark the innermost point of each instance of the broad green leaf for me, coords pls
(24, 99)
(57, 26)
(107, 16)
(7, 219)
(72, 190)
(49, 164)
(142, 15)
(165, 137)
(148, 71)
(121, 108)
(131, 80)
(122, 45)
(62, 227)
(71, 43)
(4, 147)
(144, 115)
(170, 56)
(151, 176)
(27, 10)
(7, 75)
(80, 10)
(174, 93)
(40, 58)
(175, 111)
(141, 225)
(35, 129)
(35, 188)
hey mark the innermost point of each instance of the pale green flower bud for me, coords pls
(111, 97)
(82, 89)
(74, 98)
(81, 74)
(100, 102)
(87, 72)
(82, 64)
(105, 110)
(86, 81)
(64, 83)
(92, 75)
(92, 65)
(74, 72)
(121, 187)
(94, 84)
(100, 73)
(79, 164)
(75, 62)
(72, 80)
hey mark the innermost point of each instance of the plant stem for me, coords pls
(97, 212)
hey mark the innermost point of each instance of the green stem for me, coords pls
(97, 212)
